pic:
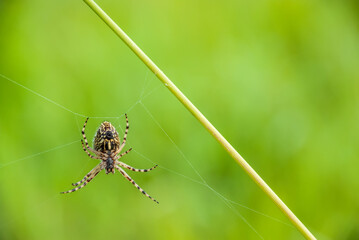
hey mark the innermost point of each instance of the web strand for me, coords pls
(37, 154)
(203, 181)
(63, 107)
(229, 203)
(41, 96)
(177, 148)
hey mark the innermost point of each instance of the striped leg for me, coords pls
(87, 180)
(86, 142)
(133, 182)
(122, 154)
(88, 153)
(124, 137)
(87, 176)
(135, 169)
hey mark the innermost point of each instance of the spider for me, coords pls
(107, 146)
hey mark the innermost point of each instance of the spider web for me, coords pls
(198, 179)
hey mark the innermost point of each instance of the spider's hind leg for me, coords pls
(124, 137)
(88, 153)
(86, 142)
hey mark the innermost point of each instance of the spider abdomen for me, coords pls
(106, 138)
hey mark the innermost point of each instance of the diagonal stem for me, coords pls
(201, 118)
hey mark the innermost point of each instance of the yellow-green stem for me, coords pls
(201, 118)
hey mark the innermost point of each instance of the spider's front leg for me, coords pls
(133, 182)
(86, 176)
(91, 175)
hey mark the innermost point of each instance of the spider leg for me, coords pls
(87, 175)
(124, 137)
(135, 169)
(133, 182)
(85, 181)
(88, 153)
(122, 154)
(86, 142)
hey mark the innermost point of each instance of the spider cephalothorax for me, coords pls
(107, 148)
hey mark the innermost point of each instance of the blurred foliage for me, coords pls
(279, 79)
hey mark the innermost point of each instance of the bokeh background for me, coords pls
(279, 79)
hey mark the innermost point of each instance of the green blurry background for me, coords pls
(279, 79)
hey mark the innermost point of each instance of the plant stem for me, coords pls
(201, 118)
